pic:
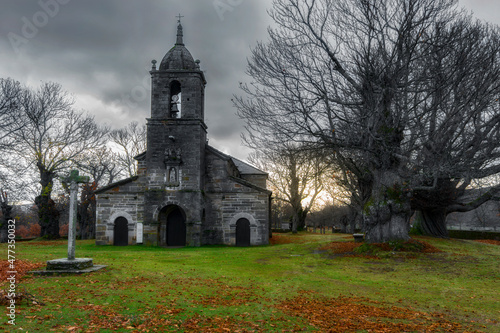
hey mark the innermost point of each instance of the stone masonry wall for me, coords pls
(190, 202)
(227, 201)
(259, 180)
(192, 93)
(188, 137)
(122, 201)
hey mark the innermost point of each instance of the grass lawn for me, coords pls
(303, 283)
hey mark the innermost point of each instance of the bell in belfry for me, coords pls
(175, 110)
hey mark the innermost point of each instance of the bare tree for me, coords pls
(457, 140)
(130, 142)
(52, 137)
(350, 192)
(12, 178)
(295, 175)
(10, 92)
(404, 93)
(100, 164)
(281, 215)
(352, 189)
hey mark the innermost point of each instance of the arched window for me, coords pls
(175, 99)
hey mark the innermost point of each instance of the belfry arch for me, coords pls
(175, 108)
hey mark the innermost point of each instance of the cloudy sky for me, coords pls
(101, 51)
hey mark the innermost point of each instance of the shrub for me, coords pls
(63, 230)
(366, 249)
(35, 230)
(22, 232)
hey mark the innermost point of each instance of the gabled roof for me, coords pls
(113, 185)
(251, 185)
(243, 167)
(140, 157)
(247, 169)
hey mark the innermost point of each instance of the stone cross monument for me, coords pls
(71, 264)
(73, 180)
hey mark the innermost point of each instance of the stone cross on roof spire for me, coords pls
(179, 31)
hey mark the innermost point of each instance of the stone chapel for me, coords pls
(186, 193)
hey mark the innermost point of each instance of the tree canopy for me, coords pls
(53, 135)
(403, 93)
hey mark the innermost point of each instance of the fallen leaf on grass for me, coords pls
(488, 241)
(20, 296)
(353, 314)
(346, 249)
(210, 324)
(21, 267)
(285, 239)
(340, 247)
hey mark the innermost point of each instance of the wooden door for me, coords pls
(243, 232)
(120, 232)
(176, 229)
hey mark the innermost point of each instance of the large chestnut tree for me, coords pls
(403, 93)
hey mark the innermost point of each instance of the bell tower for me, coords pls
(176, 137)
(178, 86)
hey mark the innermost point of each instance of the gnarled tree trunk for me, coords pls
(6, 216)
(433, 222)
(387, 213)
(433, 209)
(87, 212)
(299, 219)
(48, 214)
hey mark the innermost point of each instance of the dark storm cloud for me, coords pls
(101, 51)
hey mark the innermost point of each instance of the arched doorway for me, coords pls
(120, 232)
(242, 232)
(174, 226)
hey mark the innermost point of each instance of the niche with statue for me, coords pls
(173, 160)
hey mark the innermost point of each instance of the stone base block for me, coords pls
(70, 272)
(68, 265)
